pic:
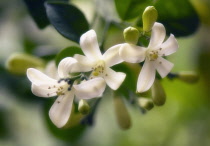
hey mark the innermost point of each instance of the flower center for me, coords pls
(153, 55)
(98, 70)
(62, 87)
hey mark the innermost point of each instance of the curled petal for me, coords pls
(84, 64)
(146, 77)
(169, 46)
(132, 53)
(65, 66)
(38, 78)
(163, 66)
(111, 56)
(90, 89)
(89, 45)
(41, 91)
(61, 109)
(158, 36)
(114, 79)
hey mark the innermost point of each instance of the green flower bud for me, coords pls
(131, 35)
(74, 119)
(83, 107)
(18, 63)
(158, 93)
(188, 76)
(123, 117)
(145, 103)
(149, 17)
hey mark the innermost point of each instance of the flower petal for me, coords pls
(65, 66)
(146, 77)
(132, 53)
(51, 70)
(84, 64)
(114, 79)
(169, 46)
(61, 109)
(43, 92)
(163, 66)
(158, 36)
(111, 56)
(38, 78)
(89, 45)
(90, 89)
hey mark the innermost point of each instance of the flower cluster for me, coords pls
(94, 71)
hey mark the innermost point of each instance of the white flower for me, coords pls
(97, 63)
(65, 88)
(153, 56)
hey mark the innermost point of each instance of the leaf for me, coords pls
(130, 9)
(68, 20)
(67, 52)
(178, 16)
(37, 11)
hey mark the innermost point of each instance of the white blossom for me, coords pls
(97, 63)
(66, 88)
(153, 56)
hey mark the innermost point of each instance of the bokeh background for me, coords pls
(184, 120)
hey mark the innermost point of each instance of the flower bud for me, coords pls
(149, 17)
(74, 119)
(188, 76)
(18, 63)
(145, 103)
(123, 117)
(83, 107)
(158, 93)
(131, 35)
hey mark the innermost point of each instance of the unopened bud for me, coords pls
(131, 35)
(149, 17)
(188, 76)
(83, 107)
(18, 63)
(145, 103)
(158, 93)
(74, 119)
(123, 117)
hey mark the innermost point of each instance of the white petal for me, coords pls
(169, 46)
(146, 77)
(158, 36)
(65, 67)
(114, 79)
(38, 78)
(89, 45)
(43, 92)
(61, 109)
(163, 66)
(90, 89)
(132, 53)
(112, 56)
(84, 64)
(51, 70)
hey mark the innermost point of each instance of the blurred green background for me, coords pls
(183, 121)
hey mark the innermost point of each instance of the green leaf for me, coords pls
(68, 20)
(67, 52)
(178, 16)
(129, 9)
(37, 11)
